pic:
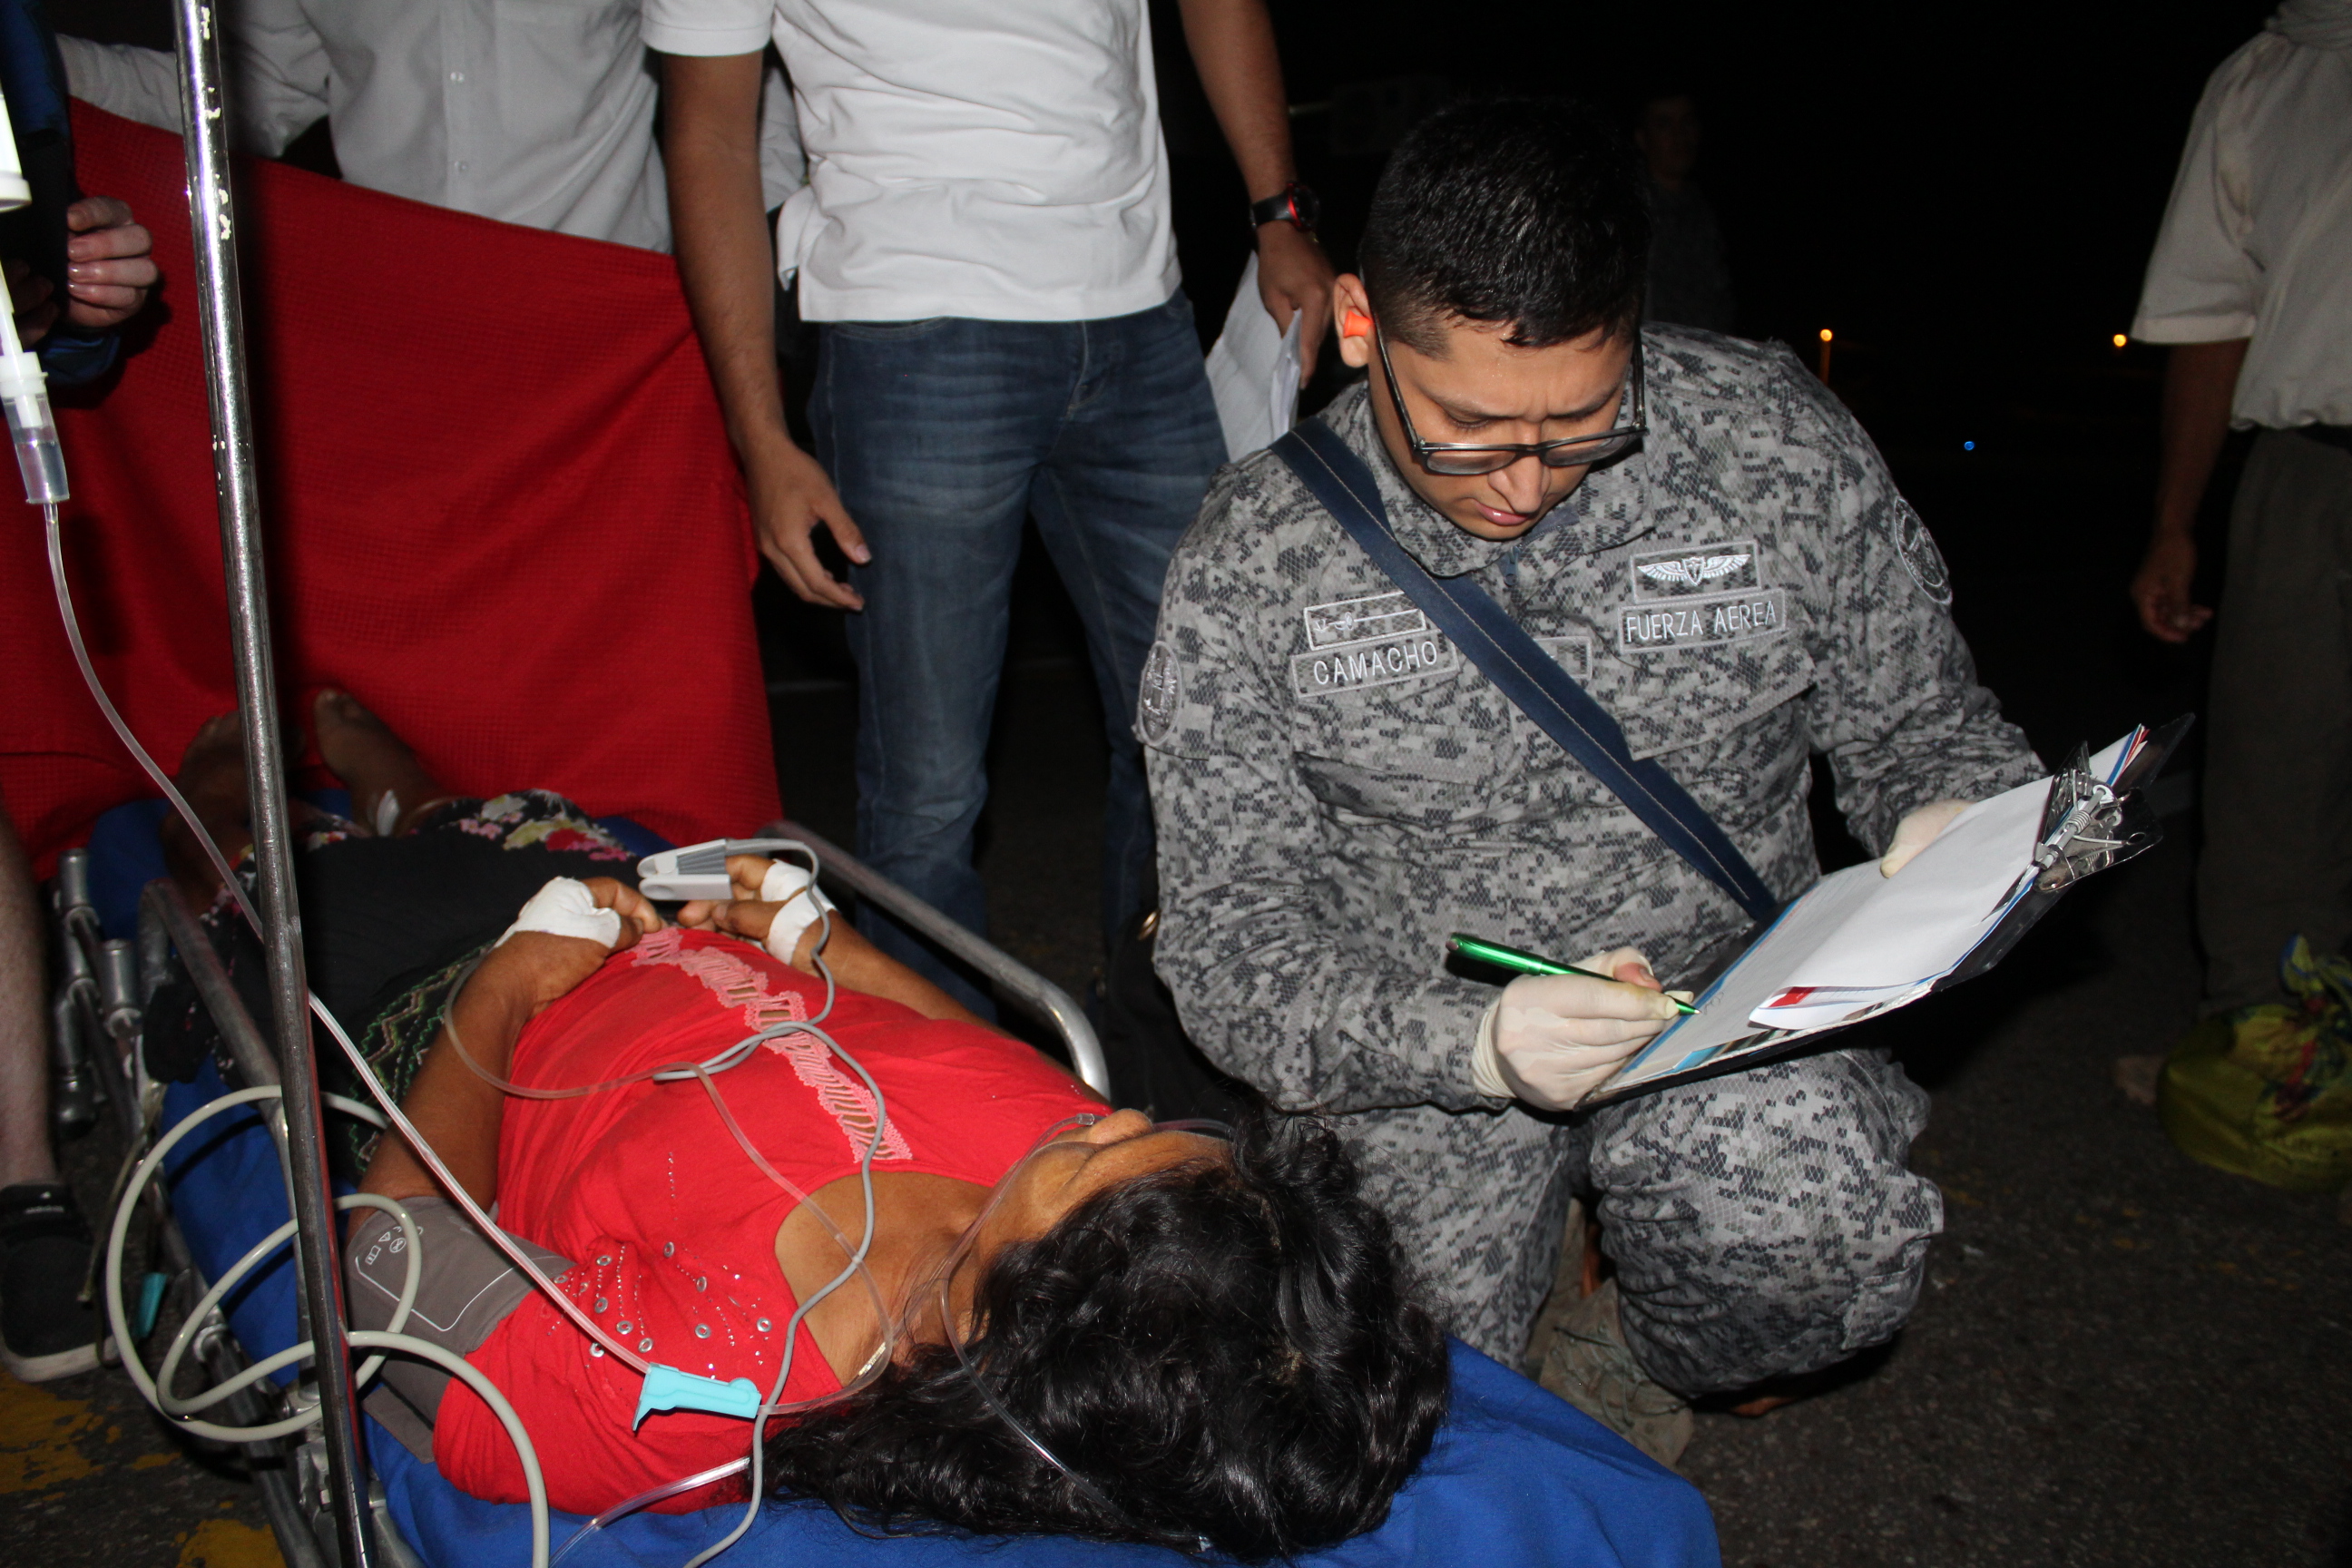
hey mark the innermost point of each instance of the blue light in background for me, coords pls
(1967, 446)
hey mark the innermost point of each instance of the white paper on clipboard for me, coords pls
(1253, 371)
(1858, 944)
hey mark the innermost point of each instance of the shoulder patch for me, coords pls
(1920, 557)
(1162, 689)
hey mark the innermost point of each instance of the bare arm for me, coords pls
(711, 147)
(1233, 48)
(455, 1110)
(277, 63)
(2199, 380)
(458, 1111)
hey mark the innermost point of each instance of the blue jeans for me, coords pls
(942, 436)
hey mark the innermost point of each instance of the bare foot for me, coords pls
(378, 767)
(211, 776)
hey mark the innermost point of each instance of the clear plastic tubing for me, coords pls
(33, 432)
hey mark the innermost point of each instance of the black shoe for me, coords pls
(45, 1332)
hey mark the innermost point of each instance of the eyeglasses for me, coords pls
(1492, 456)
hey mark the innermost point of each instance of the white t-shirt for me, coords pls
(538, 114)
(2257, 241)
(998, 159)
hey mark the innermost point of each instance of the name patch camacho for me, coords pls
(1735, 617)
(1367, 663)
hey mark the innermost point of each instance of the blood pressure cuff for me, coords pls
(466, 1290)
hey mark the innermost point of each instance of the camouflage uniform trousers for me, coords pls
(1762, 1222)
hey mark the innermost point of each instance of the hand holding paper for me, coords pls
(1254, 370)
(1865, 941)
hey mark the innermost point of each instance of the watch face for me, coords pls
(1293, 204)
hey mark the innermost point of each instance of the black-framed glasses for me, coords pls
(1492, 456)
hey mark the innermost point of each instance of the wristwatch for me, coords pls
(1295, 205)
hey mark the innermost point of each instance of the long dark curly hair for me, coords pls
(1225, 1350)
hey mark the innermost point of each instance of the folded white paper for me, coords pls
(1253, 371)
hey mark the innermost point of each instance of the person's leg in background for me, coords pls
(1124, 481)
(931, 431)
(44, 1330)
(2277, 860)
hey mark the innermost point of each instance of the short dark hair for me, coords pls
(1526, 211)
(1232, 1351)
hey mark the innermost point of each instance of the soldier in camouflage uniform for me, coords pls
(1337, 788)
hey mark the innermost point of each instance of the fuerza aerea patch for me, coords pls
(1734, 617)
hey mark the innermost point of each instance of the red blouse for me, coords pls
(670, 1228)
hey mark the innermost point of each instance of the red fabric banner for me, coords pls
(498, 505)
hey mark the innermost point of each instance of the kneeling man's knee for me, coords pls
(1766, 1223)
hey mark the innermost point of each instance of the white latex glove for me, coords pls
(1552, 1040)
(1918, 830)
(566, 908)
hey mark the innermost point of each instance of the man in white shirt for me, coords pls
(985, 242)
(540, 114)
(2251, 284)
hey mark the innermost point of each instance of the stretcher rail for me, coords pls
(1035, 995)
(255, 1065)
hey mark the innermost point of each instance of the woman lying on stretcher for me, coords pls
(1214, 1336)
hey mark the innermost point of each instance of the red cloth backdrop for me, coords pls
(499, 503)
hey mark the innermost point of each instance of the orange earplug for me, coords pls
(1354, 323)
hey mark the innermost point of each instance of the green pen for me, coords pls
(1511, 958)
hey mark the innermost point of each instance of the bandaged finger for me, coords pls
(566, 907)
(800, 904)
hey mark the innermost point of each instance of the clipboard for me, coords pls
(2093, 815)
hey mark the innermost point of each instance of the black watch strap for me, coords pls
(1295, 205)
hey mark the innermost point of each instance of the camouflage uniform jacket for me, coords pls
(1336, 788)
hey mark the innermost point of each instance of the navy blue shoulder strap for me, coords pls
(1530, 678)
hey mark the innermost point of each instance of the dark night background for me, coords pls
(1966, 195)
(2121, 1357)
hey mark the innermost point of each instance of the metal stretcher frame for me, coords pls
(327, 1476)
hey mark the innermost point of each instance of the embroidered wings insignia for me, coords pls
(1694, 571)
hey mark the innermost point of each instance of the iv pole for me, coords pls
(211, 217)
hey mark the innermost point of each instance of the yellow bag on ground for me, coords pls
(2266, 1091)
